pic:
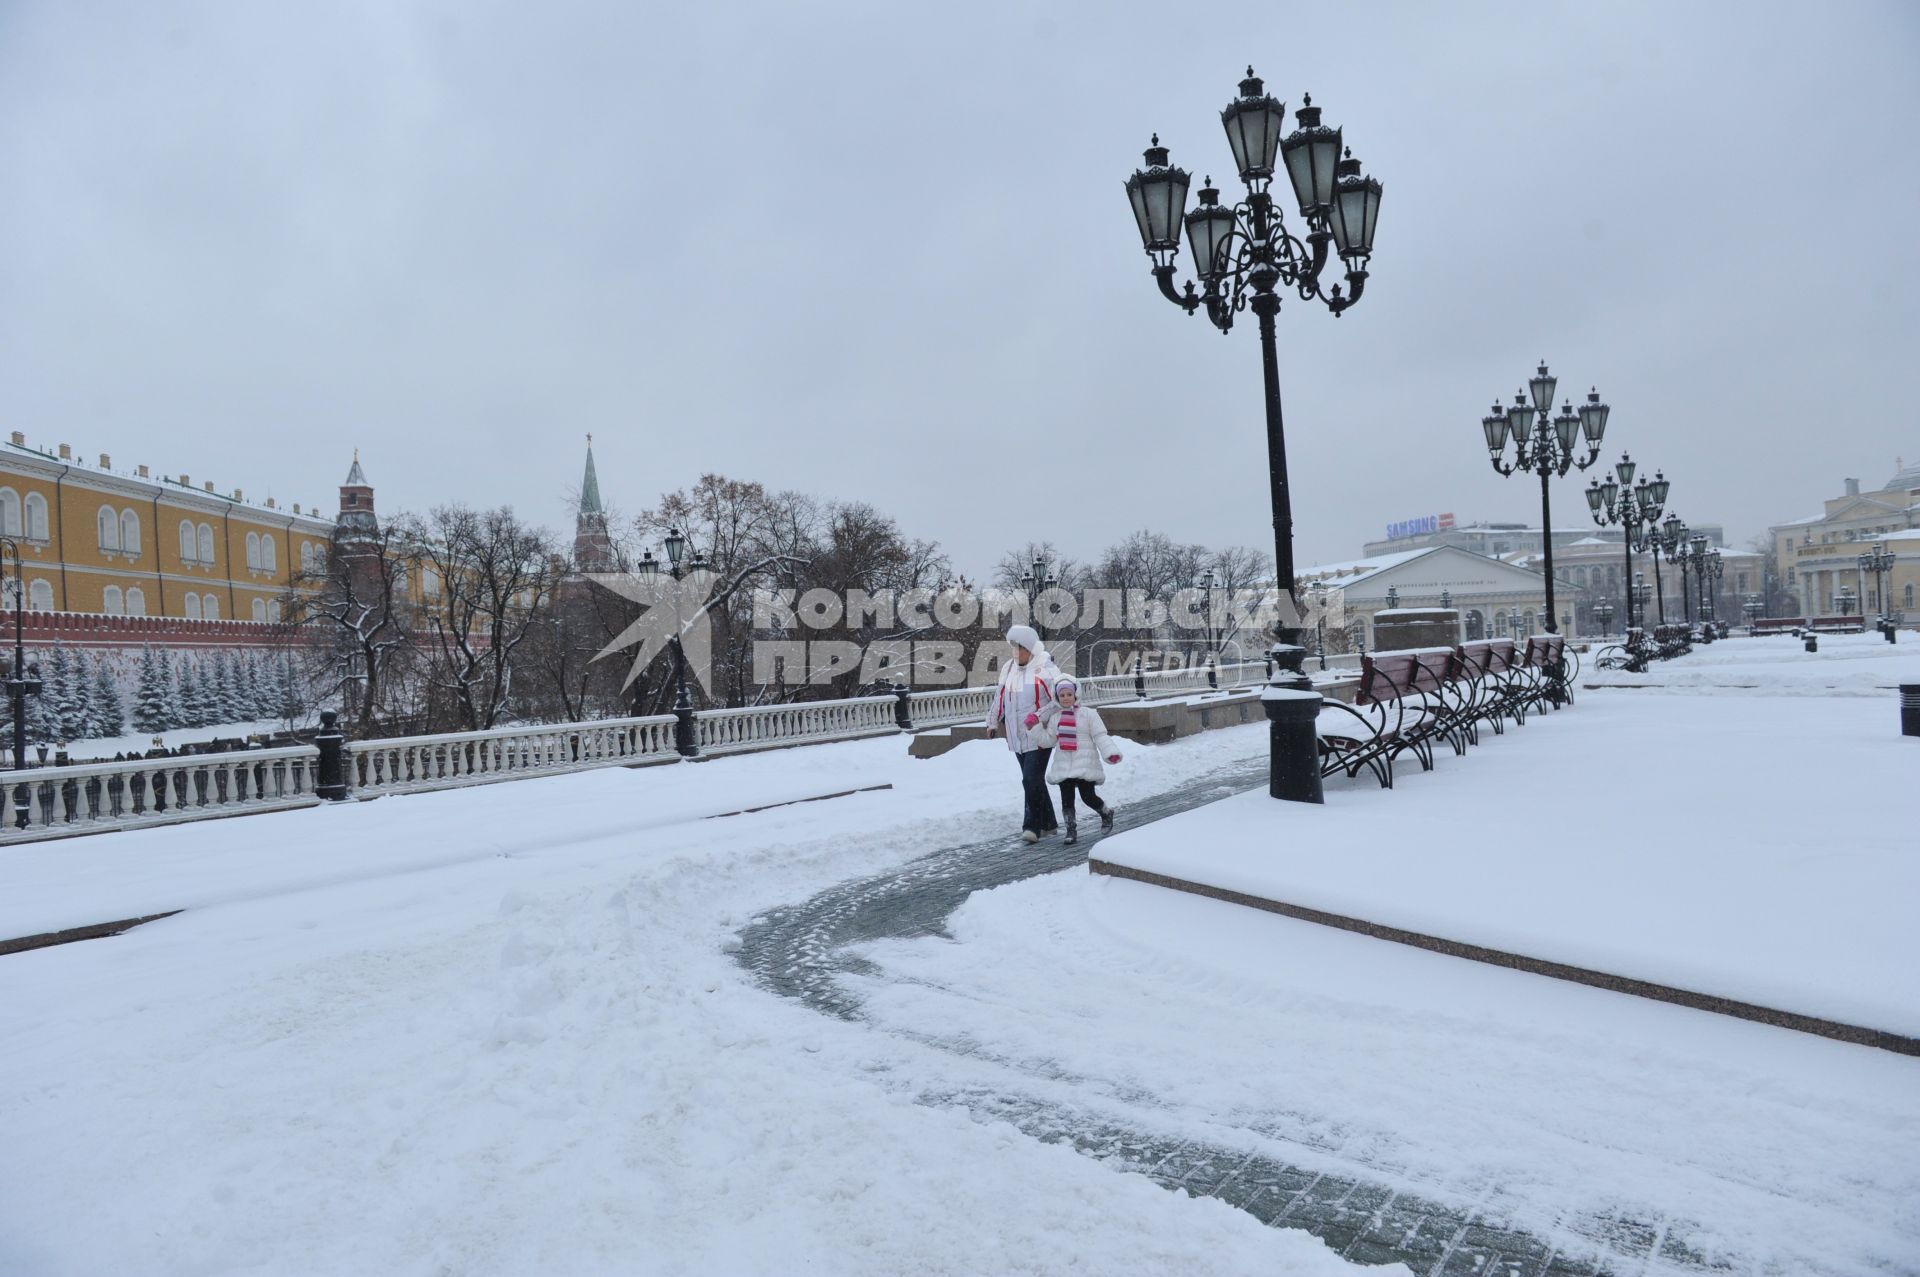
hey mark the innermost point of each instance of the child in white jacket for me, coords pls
(1079, 741)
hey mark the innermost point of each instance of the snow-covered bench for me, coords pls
(1405, 700)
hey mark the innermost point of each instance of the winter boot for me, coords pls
(1106, 816)
(1073, 834)
(1027, 835)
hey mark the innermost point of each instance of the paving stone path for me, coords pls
(801, 952)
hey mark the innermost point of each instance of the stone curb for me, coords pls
(47, 939)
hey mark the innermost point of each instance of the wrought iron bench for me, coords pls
(1778, 624)
(1839, 625)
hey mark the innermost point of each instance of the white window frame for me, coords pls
(189, 546)
(253, 551)
(192, 606)
(273, 611)
(36, 517)
(259, 611)
(210, 607)
(40, 595)
(269, 557)
(136, 601)
(9, 512)
(113, 601)
(106, 525)
(206, 544)
(130, 532)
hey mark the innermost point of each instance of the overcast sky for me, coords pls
(881, 252)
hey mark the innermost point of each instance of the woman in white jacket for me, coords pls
(1078, 737)
(1026, 688)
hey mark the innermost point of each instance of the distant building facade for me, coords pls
(99, 541)
(1818, 557)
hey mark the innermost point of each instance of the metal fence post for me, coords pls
(332, 773)
(902, 707)
(1910, 709)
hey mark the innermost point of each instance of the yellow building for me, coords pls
(94, 539)
(1819, 557)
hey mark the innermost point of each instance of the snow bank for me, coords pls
(1673, 839)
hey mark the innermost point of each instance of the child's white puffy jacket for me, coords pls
(1094, 744)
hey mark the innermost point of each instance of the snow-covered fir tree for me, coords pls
(152, 697)
(109, 715)
(85, 723)
(63, 706)
(190, 680)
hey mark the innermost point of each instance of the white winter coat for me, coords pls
(1024, 689)
(1084, 762)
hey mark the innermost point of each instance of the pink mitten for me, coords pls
(1113, 758)
(1032, 719)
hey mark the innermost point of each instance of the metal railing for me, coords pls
(408, 764)
(88, 798)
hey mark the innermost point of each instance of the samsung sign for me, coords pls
(1420, 527)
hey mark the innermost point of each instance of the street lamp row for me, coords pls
(1633, 508)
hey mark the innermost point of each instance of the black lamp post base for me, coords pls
(1293, 709)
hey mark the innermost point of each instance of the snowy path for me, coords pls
(881, 950)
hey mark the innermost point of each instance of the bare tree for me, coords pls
(355, 604)
(487, 580)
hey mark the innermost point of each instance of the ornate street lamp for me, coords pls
(1878, 561)
(1036, 581)
(685, 740)
(1844, 600)
(23, 680)
(1642, 595)
(1753, 607)
(1603, 615)
(1709, 578)
(1320, 621)
(1546, 448)
(1207, 581)
(1618, 500)
(1245, 258)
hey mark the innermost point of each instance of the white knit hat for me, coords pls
(1024, 636)
(1066, 683)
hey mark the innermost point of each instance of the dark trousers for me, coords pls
(1039, 815)
(1087, 791)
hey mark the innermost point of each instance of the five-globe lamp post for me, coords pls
(1631, 506)
(1246, 258)
(685, 740)
(1546, 447)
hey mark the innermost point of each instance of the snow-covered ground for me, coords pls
(504, 1030)
(1779, 665)
(508, 1037)
(140, 742)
